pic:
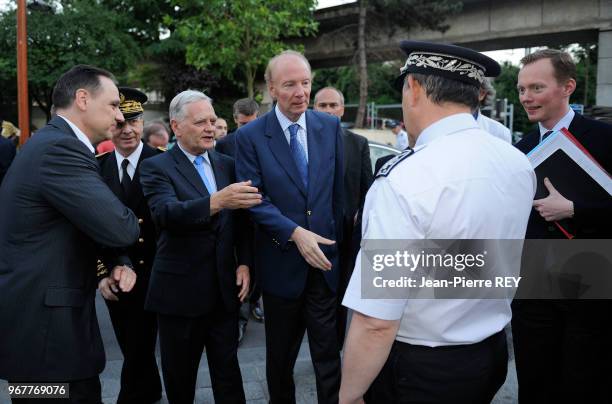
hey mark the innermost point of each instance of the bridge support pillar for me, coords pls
(604, 69)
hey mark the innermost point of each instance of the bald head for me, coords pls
(288, 56)
(289, 80)
(330, 100)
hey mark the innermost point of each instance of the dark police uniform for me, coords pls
(135, 328)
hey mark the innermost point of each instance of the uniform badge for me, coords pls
(389, 165)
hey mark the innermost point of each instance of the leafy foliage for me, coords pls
(240, 36)
(80, 32)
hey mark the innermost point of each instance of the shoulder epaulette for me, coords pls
(161, 149)
(102, 154)
(391, 164)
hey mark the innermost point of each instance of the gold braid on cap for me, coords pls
(129, 107)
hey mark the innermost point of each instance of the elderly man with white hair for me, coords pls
(201, 269)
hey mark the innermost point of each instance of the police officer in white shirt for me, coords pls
(402, 137)
(458, 182)
(487, 93)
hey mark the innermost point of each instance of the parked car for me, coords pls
(378, 150)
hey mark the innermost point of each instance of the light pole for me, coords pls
(23, 104)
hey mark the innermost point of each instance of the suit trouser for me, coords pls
(286, 321)
(458, 374)
(136, 332)
(562, 350)
(182, 340)
(348, 252)
(86, 391)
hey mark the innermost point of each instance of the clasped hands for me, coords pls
(555, 206)
(121, 278)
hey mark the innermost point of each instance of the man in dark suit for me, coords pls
(201, 270)
(357, 180)
(245, 111)
(561, 346)
(55, 210)
(7, 154)
(135, 328)
(294, 156)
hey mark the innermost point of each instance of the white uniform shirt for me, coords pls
(493, 127)
(402, 140)
(132, 162)
(461, 183)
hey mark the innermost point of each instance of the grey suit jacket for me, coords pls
(55, 209)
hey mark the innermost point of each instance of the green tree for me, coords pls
(241, 35)
(393, 14)
(78, 32)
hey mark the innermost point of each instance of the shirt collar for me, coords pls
(446, 126)
(132, 158)
(192, 157)
(563, 122)
(79, 134)
(286, 122)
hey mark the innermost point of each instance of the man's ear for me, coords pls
(81, 99)
(569, 87)
(412, 90)
(174, 126)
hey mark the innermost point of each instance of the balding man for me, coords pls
(294, 157)
(357, 180)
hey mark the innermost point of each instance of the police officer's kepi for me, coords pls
(450, 61)
(130, 102)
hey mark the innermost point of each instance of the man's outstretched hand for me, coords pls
(307, 243)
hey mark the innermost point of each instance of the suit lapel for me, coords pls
(315, 144)
(576, 126)
(111, 175)
(280, 149)
(221, 175)
(187, 170)
(136, 194)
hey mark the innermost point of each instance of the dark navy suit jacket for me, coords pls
(194, 271)
(55, 209)
(264, 157)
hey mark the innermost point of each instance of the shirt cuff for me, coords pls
(382, 309)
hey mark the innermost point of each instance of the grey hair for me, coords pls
(178, 103)
(272, 62)
(488, 88)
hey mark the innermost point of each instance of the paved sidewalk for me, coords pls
(251, 355)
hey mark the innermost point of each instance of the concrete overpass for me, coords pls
(483, 25)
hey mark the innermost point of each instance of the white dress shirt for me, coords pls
(402, 140)
(460, 183)
(563, 123)
(132, 162)
(79, 134)
(210, 174)
(285, 123)
(493, 127)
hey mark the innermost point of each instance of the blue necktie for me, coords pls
(199, 164)
(298, 153)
